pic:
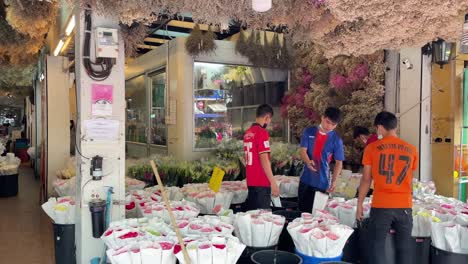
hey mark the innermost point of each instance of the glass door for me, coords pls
(158, 128)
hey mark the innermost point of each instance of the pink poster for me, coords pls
(102, 99)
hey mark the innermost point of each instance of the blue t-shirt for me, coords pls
(333, 148)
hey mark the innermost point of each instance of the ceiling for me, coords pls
(166, 29)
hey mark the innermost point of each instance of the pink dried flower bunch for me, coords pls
(357, 75)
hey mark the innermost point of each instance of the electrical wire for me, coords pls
(105, 64)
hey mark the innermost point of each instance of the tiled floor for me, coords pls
(26, 235)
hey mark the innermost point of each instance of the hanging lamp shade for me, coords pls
(261, 5)
(441, 52)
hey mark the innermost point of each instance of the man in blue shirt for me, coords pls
(319, 144)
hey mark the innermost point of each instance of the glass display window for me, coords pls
(226, 98)
(158, 131)
(137, 112)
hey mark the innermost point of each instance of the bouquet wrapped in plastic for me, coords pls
(450, 236)
(320, 236)
(153, 241)
(173, 193)
(422, 221)
(207, 200)
(288, 186)
(180, 209)
(422, 189)
(238, 188)
(60, 210)
(345, 211)
(205, 226)
(258, 228)
(211, 250)
(437, 210)
(65, 187)
(9, 164)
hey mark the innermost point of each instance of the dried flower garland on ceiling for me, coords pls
(32, 17)
(339, 26)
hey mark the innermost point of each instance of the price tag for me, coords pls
(216, 179)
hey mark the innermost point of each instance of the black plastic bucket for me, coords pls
(8, 185)
(286, 205)
(292, 199)
(245, 258)
(64, 244)
(422, 250)
(285, 242)
(439, 256)
(275, 256)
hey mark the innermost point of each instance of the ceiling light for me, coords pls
(58, 48)
(261, 5)
(70, 26)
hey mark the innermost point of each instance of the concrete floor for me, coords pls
(26, 235)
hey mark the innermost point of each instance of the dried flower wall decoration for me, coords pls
(353, 84)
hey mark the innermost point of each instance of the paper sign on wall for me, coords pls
(102, 129)
(102, 99)
(216, 179)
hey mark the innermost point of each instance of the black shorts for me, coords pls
(258, 198)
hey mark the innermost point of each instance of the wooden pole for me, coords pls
(171, 215)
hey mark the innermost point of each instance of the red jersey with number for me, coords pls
(393, 162)
(256, 142)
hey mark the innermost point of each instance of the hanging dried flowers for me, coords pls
(241, 43)
(133, 36)
(200, 43)
(32, 17)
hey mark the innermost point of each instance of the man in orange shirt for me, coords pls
(390, 162)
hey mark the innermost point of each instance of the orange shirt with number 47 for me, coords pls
(393, 162)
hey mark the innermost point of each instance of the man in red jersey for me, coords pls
(364, 136)
(260, 181)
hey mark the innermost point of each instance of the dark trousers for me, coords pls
(258, 198)
(380, 222)
(306, 196)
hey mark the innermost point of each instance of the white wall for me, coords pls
(414, 106)
(425, 155)
(58, 119)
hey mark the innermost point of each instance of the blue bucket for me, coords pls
(315, 260)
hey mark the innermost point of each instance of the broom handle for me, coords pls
(171, 215)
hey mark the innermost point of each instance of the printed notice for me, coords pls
(102, 129)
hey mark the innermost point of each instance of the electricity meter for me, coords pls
(107, 43)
